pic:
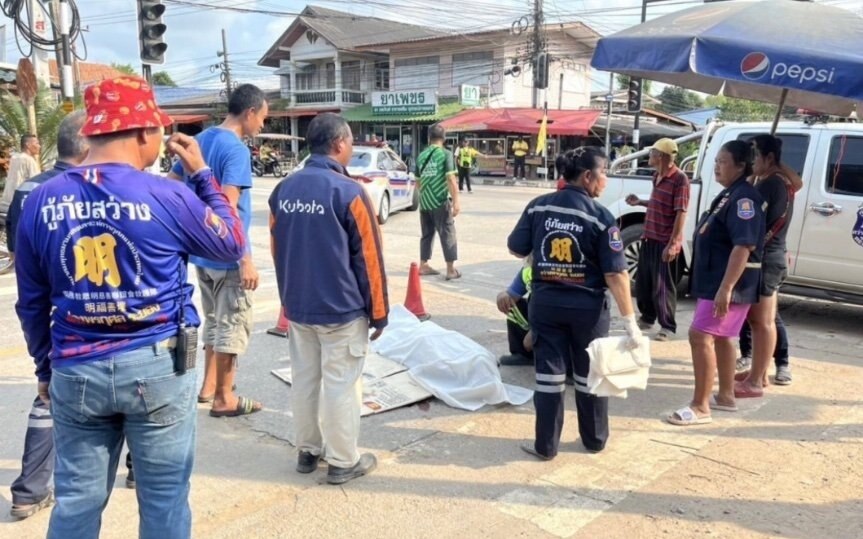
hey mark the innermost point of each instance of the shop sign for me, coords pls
(469, 95)
(404, 102)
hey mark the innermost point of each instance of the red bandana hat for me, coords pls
(121, 104)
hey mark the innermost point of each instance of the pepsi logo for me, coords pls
(755, 65)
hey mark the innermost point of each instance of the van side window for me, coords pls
(795, 149)
(845, 166)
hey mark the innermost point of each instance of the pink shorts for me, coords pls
(729, 326)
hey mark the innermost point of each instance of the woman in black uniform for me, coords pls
(577, 255)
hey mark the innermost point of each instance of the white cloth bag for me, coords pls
(614, 369)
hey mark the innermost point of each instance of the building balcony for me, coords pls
(325, 97)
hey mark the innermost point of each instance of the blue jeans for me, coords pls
(136, 396)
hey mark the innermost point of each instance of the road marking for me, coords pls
(13, 351)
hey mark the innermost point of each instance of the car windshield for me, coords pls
(361, 159)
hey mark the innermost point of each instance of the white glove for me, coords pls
(633, 332)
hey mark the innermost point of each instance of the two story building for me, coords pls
(326, 61)
(393, 79)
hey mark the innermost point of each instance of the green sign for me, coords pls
(405, 102)
(469, 95)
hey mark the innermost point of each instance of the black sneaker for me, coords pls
(130, 479)
(529, 448)
(512, 360)
(338, 476)
(306, 462)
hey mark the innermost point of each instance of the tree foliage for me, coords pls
(163, 78)
(14, 125)
(128, 69)
(623, 84)
(674, 99)
(742, 110)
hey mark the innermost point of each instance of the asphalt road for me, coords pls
(784, 465)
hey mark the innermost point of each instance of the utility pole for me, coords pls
(538, 45)
(60, 12)
(225, 66)
(610, 99)
(39, 57)
(3, 41)
(636, 135)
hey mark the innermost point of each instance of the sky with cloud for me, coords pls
(194, 26)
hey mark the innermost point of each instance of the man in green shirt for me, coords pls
(439, 205)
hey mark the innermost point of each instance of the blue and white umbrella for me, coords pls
(800, 54)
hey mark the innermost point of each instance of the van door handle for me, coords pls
(825, 208)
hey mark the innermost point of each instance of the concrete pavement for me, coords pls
(785, 465)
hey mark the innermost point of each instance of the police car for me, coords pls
(385, 177)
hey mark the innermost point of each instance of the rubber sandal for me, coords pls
(211, 398)
(457, 275)
(714, 405)
(741, 376)
(745, 391)
(244, 407)
(429, 271)
(662, 336)
(686, 417)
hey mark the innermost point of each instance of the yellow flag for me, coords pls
(543, 134)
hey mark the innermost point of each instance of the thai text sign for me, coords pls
(404, 102)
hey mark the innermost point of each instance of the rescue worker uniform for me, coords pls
(519, 150)
(464, 157)
(517, 325)
(735, 218)
(574, 242)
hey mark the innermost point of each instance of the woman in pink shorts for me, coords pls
(726, 277)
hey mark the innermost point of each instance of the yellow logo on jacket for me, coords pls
(96, 260)
(561, 249)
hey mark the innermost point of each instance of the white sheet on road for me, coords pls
(454, 368)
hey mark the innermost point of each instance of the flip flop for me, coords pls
(686, 417)
(714, 405)
(244, 407)
(211, 398)
(743, 375)
(429, 271)
(745, 391)
(457, 275)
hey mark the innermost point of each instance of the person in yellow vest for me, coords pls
(464, 156)
(520, 148)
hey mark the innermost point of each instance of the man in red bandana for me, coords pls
(107, 312)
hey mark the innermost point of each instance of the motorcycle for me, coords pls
(269, 165)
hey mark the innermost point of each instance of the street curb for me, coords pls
(501, 182)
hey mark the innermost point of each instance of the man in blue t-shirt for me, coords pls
(226, 289)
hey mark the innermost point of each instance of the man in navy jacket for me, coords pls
(326, 247)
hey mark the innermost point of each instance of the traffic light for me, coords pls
(151, 31)
(540, 71)
(633, 97)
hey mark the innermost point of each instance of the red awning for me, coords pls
(525, 121)
(296, 113)
(189, 118)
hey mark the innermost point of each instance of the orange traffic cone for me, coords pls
(414, 297)
(281, 329)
